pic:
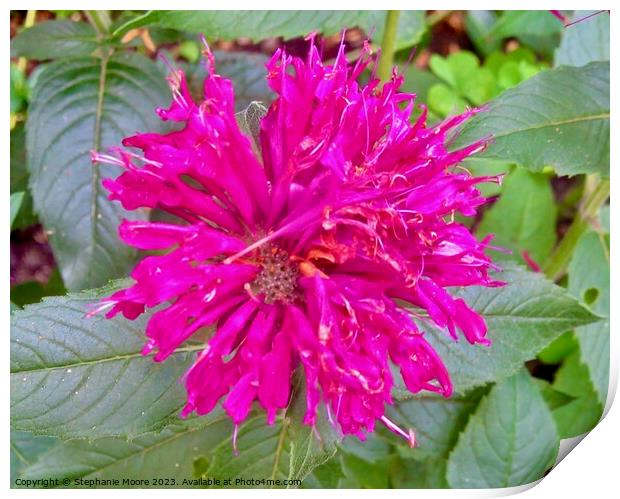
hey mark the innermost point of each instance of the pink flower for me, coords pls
(313, 254)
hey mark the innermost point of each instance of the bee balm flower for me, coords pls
(309, 254)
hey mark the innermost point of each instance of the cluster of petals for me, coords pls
(321, 247)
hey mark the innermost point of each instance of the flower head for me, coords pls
(309, 254)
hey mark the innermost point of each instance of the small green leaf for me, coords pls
(55, 39)
(559, 117)
(510, 440)
(524, 217)
(586, 41)
(522, 317)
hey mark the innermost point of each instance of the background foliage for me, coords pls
(86, 404)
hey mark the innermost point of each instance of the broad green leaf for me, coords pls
(17, 199)
(168, 454)
(524, 217)
(586, 41)
(584, 412)
(252, 24)
(75, 376)
(436, 422)
(510, 440)
(26, 449)
(589, 279)
(55, 39)
(559, 117)
(522, 318)
(79, 105)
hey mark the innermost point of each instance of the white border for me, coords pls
(591, 470)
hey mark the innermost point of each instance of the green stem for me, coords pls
(384, 71)
(595, 194)
(100, 19)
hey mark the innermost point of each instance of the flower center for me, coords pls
(277, 280)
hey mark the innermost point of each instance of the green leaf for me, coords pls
(526, 22)
(510, 440)
(249, 123)
(586, 41)
(411, 26)
(26, 449)
(16, 203)
(444, 101)
(19, 89)
(418, 81)
(589, 279)
(19, 172)
(559, 348)
(287, 450)
(80, 105)
(524, 217)
(326, 476)
(410, 474)
(522, 318)
(363, 474)
(255, 25)
(582, 414)
(559, 117)
(436, 422)
(74, 376)
(554, 398)
(168, 454)
(53, 39)
(479, 24)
